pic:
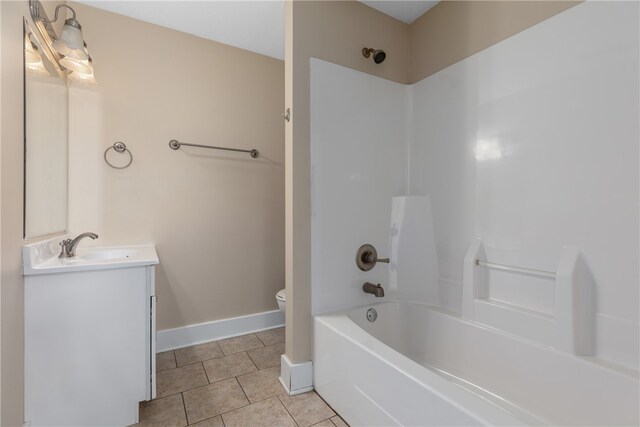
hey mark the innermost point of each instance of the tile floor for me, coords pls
(232, 382)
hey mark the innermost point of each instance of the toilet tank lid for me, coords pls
(281, 295)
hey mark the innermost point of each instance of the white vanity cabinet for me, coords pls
(89, 336)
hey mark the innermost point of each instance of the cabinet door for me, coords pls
(86, 347)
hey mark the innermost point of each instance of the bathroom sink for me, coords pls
(42, 257)
(106, 253)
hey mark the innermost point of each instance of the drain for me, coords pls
(372, 315)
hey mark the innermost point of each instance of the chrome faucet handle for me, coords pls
(371, 258)
(64, 252)
(69, 246)
(367, 257)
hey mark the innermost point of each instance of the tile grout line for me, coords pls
(287, 409)
(267, 345)
(189, 389)
(242, 351)
(162, 397)
(215, 382)
(207, 419)
(335, 413)
(228, 412)
(242, 388)
(193, 363)
(326, 419)
(254, 364)
(326, 403)
(261, 400)
(201, 360)
(205, 372)
(253, 361)
(184, 408)
(222, 413)
(264, 367)
(244, 406)
(260, 339)
(338, 415)
(249, 373)
(174, 362)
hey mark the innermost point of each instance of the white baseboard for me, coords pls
(170, 339)
(295, 378)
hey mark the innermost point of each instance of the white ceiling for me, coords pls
(257, 26)
(253, 25)
(405, 11)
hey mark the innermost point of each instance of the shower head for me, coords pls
(378, 54)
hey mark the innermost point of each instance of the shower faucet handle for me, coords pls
(367, 257)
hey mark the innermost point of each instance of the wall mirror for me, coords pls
(46, 135)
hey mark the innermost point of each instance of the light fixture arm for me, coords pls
(366, 52)
(55, 15)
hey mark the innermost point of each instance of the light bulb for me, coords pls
(31, 54)
(79, 66)
(32, 59)
(84, 77)
(71, 41)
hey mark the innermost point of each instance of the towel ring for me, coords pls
(118, 147)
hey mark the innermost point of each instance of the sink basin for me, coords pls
(42, 257)
(106, 254)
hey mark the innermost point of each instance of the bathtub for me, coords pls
(418, 365)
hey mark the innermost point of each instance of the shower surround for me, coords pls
(527, 147)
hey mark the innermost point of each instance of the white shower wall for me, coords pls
(359, 144)
(531, 145)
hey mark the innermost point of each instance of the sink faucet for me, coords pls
(69, 246)
(370, 288)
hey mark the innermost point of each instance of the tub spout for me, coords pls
(376, 290)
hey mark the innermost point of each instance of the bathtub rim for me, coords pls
(621, 370)
(462, 398)
(455, 395)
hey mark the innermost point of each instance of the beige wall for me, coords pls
(217, 218)
(11, 155)
(11, 207)
(454, 30)
(335, 31)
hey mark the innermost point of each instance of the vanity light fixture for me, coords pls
(30, 52)
(83, 75)
(83, 66)
(74, 65)
(71, 41)
(32, 59)
(71, 46)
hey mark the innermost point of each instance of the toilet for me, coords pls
(281, 297)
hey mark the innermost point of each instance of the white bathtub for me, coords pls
(416, 365)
